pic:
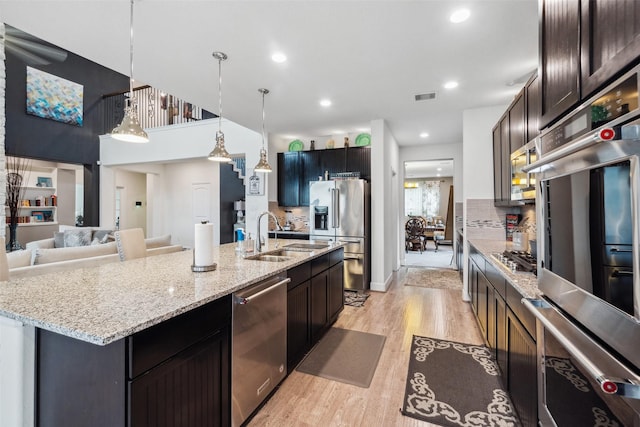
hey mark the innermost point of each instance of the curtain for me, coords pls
(423, 200)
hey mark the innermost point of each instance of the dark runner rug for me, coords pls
(347, 356)
(354, 298)
(455, 384)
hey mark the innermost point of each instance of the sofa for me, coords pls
(87, 248)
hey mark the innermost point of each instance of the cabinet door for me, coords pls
(501, 338)
(559, 58)
(516, 125)
(298, 328)
(497, 165)
(483, 289)
(288, 179)
(335, 299)
(333, 160)
(359, 160)
(310, 170)
(522, 374)
(318, 305)
(505, 163)
(491, 318)
(190, 389)
(610, 40)
(532, 99)
(473, 285)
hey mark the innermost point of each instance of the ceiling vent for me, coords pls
(425, 96)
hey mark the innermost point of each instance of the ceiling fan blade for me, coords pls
(47, 53)
(25, 55)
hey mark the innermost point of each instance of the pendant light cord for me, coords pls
(131, 57)
(220, 94)
(263, 93)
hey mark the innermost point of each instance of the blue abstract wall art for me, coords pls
(52, 97)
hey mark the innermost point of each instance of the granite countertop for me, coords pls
(525, 283)
(103, 304)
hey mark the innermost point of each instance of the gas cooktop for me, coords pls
(517, 261)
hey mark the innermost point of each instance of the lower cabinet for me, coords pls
(496, 304)
(522, 371)
(176, 373)
(315, 298)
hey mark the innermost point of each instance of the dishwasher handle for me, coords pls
(246, 300)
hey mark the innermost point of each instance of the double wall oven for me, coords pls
(588, 210)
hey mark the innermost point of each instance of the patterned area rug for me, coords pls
(354, 298)
(439, 278)
(454, 384)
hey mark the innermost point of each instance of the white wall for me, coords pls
(182, 148)
(384, 214)
(134, 189)
(477, 137)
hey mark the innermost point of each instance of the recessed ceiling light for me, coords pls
(439, 169)
(279, 57)
(424, 135)
(459, 15)
(325, 102)
(450, 85)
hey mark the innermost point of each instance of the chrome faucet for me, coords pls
(259, 241)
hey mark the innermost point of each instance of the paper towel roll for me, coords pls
(203, 245)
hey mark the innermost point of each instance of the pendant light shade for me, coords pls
(129, 129)
(219, 153)
(263, 164)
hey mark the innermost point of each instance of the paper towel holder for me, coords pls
(202, 268)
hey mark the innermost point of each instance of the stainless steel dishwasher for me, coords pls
(258, 346)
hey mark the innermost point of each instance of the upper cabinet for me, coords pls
(297, 168)
(583, 45)
(559, 58)
(610, 40)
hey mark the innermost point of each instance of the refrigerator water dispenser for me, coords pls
(321, 217)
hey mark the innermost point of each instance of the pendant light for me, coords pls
(219, 153)
(263, 165)
(129, 129)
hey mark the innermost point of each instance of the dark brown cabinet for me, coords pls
(176, 372)
(517, 123)
(501, 162)
(583, 46)
(559, 58)
(508, 330)
(610, 40)
(297, 168)
(522, 373)
(532, 101)
(315, 298)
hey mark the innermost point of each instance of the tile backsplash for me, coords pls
(299, 216)
(486, 221)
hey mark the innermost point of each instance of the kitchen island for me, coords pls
(99, 330)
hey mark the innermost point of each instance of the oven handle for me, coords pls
(577, 145)
(609, 385)
(618, 273)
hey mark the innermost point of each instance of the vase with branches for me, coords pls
(17, 170)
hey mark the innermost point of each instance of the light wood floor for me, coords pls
(307, 400)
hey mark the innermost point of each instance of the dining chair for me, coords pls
(414, 237)
(130, 244)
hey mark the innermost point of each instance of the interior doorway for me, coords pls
(428, 195)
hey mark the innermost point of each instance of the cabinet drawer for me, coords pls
(524, 316)
(336, 256)
(496, 278)
(158, 343)
(299, 274)
(320, 264)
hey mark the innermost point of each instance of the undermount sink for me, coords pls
(278, 255)
(307, 245)
(268, 257)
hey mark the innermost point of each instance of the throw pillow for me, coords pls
(100, 236)
(58, 239)
(77, 237)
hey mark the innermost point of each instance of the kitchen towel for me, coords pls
(203, 245)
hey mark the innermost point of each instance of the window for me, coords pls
(422, 198)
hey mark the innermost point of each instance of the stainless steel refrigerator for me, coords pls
(339, 211)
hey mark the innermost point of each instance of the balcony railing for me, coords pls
(155, 109)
